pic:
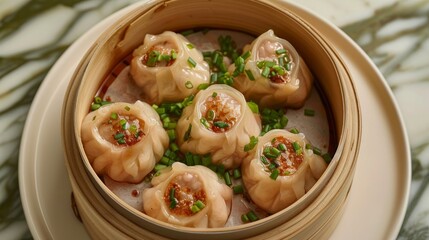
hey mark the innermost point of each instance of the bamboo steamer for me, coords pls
(314, 216)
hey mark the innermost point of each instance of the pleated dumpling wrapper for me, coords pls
(189, 196)
(168, 68)
(280, 170)
(271, 73)
(220, 123)
(124, 140)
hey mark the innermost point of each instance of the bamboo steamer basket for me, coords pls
(314, 216)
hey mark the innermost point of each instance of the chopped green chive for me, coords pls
(95, 106)
(173, 54)
(253, 107)
(173, 200)
(113, 116)
(127, 108)
(119, 136)
(189, 85)
(190, 46)
(214, 94)
(191, 62)
(327, 157)
(246, 55)
(245, 218)
(265, 72)
(203, 86)
(294, 131)
(297, 148)
(205, 122)
(274, 174)
(264, 160)
(227, 178)
(236, 173)
(280, 51)
(249, 74)
(97, 100)
(171, 134)
(238, 189)
(221, 124)
(251, 144)
(152, 59)
(309, 112)
(282, 147)
(121, 141)
(252, 216)
(210, 115)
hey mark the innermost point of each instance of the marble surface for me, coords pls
(33, 34)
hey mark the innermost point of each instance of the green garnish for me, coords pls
(251, 144)
(189, 85)
(309, 112)
(191, 62)
(221, 124)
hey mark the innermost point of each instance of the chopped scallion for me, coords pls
(274, 174)
(191, 62)
(189, 85)
(309, 112)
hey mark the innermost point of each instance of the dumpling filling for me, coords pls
(185, 195)
(162, 55)
(220, 112)
(282, 157)
(276, 63)
(122, 130)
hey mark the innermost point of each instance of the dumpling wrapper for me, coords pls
(170, 83)
(227, 147)
(262, 90)
(275, 195)
(123, 162)
(218, 196)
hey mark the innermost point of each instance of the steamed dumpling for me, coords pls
(218, 122)
(280, 170)
(123, 140)
(273, 75)
(188, 196)
(168, 68)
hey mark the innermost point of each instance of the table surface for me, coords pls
(33, 34)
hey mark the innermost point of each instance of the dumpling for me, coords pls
(188, 196)
(218, 122)
(273, 75)
(168, 68)
(123, 140)
(280, 170)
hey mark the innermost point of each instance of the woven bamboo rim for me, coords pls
(313, 216)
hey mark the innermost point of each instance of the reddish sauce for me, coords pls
(222, 112)
(122, 130)
(185, 196)
(289, 160)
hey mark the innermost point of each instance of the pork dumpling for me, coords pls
(188, 196)
(274, 75)
(168, 68)
(280, 170)
(218, 122)
(123, 140)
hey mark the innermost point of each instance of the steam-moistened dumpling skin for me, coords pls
(280, 170)
(218, 122)
(168, 68)
(274, 75)
(188, 196)
(123, 140)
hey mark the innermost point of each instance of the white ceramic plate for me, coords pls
(380, 189)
